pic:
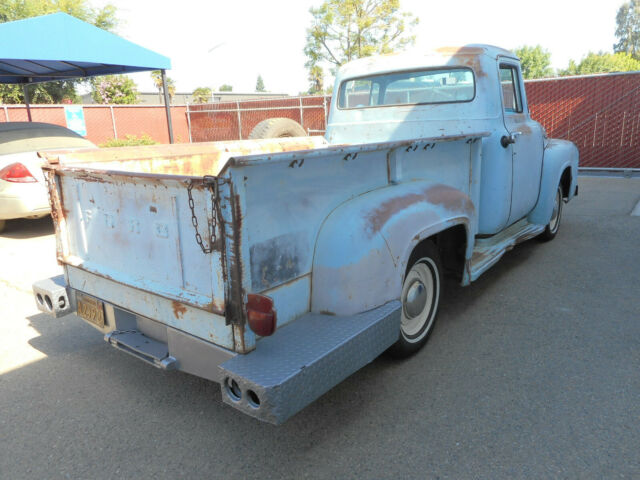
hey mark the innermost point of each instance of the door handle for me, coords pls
(507, 140)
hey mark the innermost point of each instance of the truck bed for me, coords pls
(124, 220)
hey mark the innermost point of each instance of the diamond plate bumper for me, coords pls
(54, 297)
(305, 359)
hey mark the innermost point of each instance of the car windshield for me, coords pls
(442, 85)
(20, 137)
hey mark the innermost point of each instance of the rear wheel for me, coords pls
(554, 224)
(421, 292)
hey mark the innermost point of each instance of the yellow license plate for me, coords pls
(91, 309)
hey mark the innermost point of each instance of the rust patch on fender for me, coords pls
(449, 198)
(438, 195)
(381, 215)
(178, 309)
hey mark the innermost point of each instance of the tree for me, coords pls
(225, 88)
(535, 61)
(260, 84)
(628, 29)
(104, 17)
(156, 76)
(602, 63)
(316, 80)
(201, 95)
(49, 92)
(343, 30)
(114, 89)
(59, 91)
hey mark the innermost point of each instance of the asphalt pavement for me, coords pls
(531, 372)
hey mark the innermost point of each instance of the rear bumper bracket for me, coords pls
(142, 347)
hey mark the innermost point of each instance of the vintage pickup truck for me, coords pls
(279, 267)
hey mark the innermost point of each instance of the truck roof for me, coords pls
(463, 55)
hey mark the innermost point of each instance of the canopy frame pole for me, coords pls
(27, 100)
(167, 105)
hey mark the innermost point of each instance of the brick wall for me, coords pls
(599, 113)
(234, 120)
(101, 119)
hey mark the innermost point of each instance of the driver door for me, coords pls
(525, 141)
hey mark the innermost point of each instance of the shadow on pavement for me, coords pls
(531, 372)
(28, 228)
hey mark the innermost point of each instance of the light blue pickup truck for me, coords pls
(278, 267)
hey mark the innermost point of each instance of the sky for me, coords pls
(213, 42)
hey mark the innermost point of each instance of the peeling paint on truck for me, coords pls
(176, 238)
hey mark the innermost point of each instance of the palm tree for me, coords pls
(201, 95)
(156, 75)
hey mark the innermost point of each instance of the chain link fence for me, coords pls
(236, 120)
(105, 122)
(599, 113)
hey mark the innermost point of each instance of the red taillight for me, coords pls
(261, 315)
(17, 173)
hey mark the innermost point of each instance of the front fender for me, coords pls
(364, 245)
(558, 156)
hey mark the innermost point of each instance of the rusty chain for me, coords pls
(211, 183)
(47, 182)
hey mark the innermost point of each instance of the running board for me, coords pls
(142, 347)
(489, 250)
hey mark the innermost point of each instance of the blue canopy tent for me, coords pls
(61, 47)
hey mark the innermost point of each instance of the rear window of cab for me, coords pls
(439, 85)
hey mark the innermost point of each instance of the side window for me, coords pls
(511, 97)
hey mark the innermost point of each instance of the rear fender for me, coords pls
(558, 156)
(364, 245)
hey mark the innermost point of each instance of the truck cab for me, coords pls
(456, 90)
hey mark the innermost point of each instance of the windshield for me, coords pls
(442, 85)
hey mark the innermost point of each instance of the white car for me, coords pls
(23, 192)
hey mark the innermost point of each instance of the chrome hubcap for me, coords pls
(418, 295)
(416, 299)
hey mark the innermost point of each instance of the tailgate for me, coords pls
(138, 230)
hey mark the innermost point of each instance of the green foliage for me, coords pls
(52, 92)
(535, 61)
(201, 95)
(129, 141)
(343, 30)
(114, 89)
(156, 76)
(226, 88)
(628, 29)
(602, 63)
(104, 17)
(260, 84)
(316, 80)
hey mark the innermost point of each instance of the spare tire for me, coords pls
(276, 128)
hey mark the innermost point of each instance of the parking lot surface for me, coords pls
(531, 372)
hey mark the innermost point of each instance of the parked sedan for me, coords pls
(23, 192)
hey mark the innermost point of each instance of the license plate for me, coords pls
(91, 309)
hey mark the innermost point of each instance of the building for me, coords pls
(183, 98)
